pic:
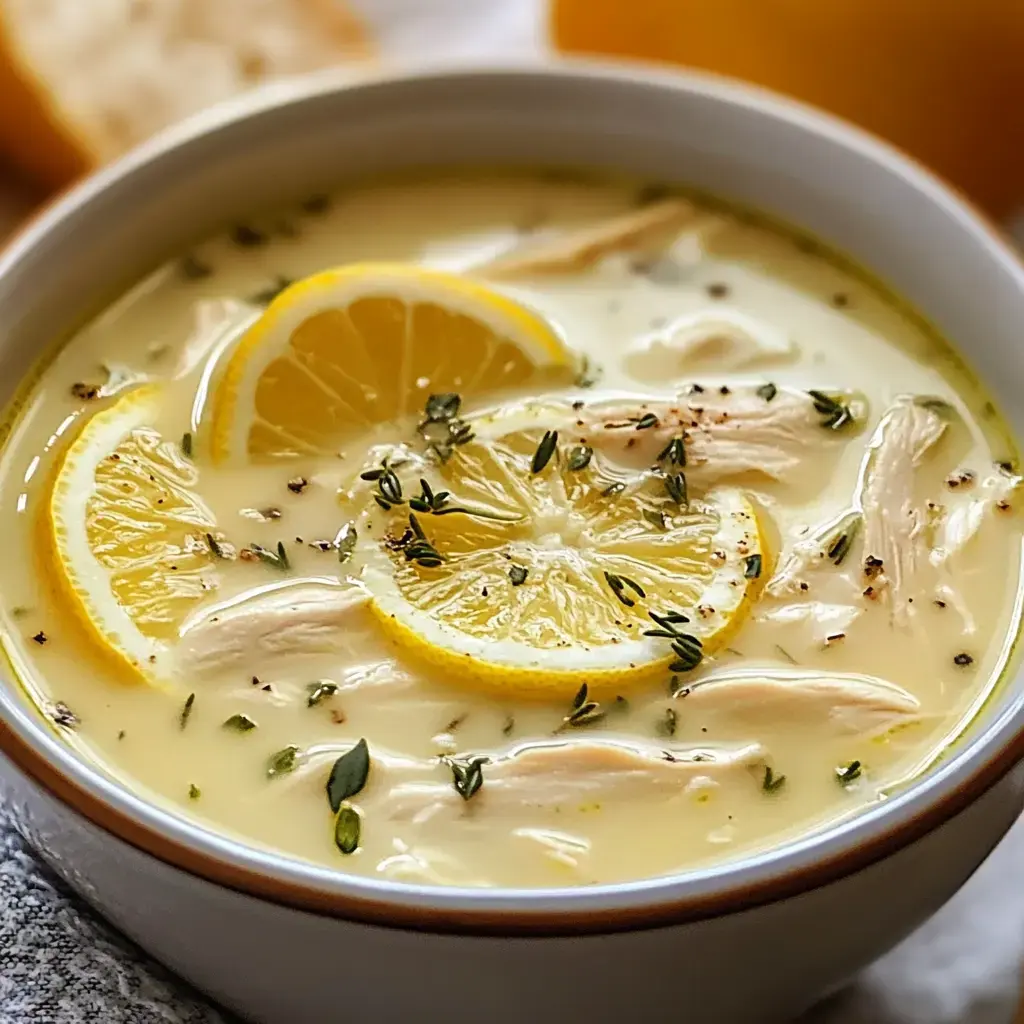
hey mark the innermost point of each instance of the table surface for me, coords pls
(962, 966)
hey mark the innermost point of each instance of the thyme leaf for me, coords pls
(186, 444)
(240, 723)
(547, 447)
(772, 783)
(186, 711)
(767, 391)
(850, 772)
(318, 692)
(674, 452)
(467, 774)
(839, 545)
(836, 414)
(345, 541)
(194, 792)
(348, 827)
(580, 456)
(618, 586)
(666, 725)
(647, 421)
(752, 567)
(278, 559)
(675, 486)
(348, 775)
(517, 574)
(283, 762)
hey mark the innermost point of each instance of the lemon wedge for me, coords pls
(531, 565)
(359, 345)
(127, 532)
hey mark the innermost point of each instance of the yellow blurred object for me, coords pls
(944, 79)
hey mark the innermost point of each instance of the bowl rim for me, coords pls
(966, 773)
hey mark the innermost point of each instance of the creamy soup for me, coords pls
(635, 534)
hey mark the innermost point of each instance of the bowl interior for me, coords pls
(739, 143)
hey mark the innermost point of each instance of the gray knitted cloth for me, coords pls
(60, 965)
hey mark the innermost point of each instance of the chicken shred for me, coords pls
(573, 773)
(645, 229)
(894, 522)
(730, 432)
(290, 620)
(852, 702)
(885, 513)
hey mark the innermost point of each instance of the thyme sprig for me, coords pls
(278, 559)
(418, 549)
(836, 414)
(688, 649)
(582, 711)
(436, 503)
(618, 586)
(442, 428)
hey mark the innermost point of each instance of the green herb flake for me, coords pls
(186, 711)
(619, 584)
(674, 452)
(666, 724)
(283, 762)
(647, 421)
(545, 450)
(240, 723)
(509, 726)
(848, 773)
(348, 827)
(348, 775)
(839, 546)
(675, 487)
(836, 414)
(772, 783)
(767, 391)
(752, 567)
(186, 444)
(318, 692)
(216, 548)
(345, 542)
(467, 774)
(194, 792)
(582, 712)
(517, 574)
(614, 488)
(579, 457)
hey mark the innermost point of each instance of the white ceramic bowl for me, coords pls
(285, 942)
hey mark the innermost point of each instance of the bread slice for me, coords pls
(81, 81)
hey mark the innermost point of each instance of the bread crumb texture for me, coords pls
(80, 83)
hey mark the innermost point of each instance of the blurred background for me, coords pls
(82, 80)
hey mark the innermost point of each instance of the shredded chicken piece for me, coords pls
(855, 703)
(729, 432)
(884, 512)
(572, 773)
(894, 522)
(287, 621)
(961, 522)
(818, 619)
(644, 229)
(726, 340)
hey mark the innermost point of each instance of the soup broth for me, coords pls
(730, 440)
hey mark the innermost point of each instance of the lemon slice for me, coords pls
(127, 532)
(348, 348)
(557, 571)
